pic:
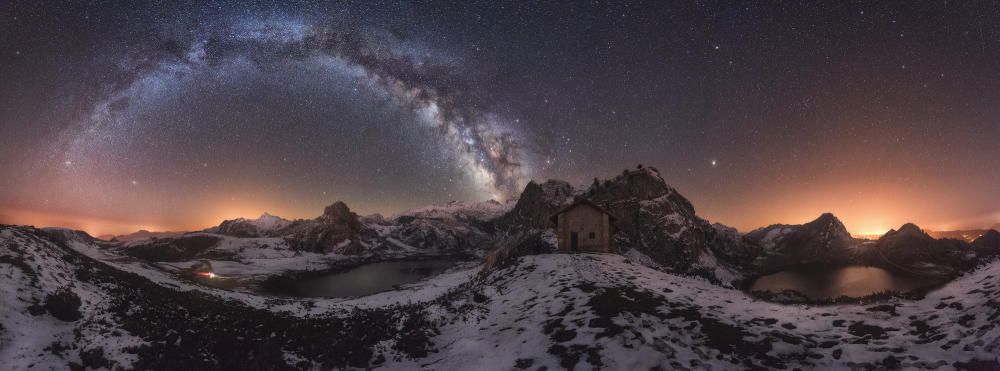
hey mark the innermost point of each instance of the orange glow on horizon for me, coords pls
(95, 226)
(880, 208)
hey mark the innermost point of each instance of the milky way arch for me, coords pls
(439, 98)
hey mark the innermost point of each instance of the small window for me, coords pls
(592, 235)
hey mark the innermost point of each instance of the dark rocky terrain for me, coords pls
(909, 250)
(824, 240)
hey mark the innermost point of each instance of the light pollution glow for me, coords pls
(873, 215)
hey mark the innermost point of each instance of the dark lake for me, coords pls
(829, 282)
(369, 278)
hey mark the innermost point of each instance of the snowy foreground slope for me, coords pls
(603, 310)
(67, 305)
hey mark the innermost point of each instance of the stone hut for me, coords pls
(584, 226)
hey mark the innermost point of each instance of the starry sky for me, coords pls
(175, 115)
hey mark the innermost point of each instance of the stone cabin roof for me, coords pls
(579, 202)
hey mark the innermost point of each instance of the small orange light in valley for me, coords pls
(206, 274)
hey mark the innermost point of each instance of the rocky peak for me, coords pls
(827, 222)
(536, 204)
(338, 213)
(907, 231)
(640, 184)
(823, 240)
(912, 250)
(338, 230)
(826, 218)
(910, 228)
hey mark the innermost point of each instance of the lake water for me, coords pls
(833, 282)
(370, 278)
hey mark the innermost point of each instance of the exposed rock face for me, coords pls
(653, 218)
(339, 213)
(824, 240)
(64, 235)
(338, 230)
(537, 203)
(731, 246)
(661, 223)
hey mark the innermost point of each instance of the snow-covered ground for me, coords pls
(604, 310)
(276, 263)
(579, 311)
(31, 341)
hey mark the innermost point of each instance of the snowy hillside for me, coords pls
(557, 311)
(589, 311)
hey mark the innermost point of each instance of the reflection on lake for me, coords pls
(832, 282)
(370, 278)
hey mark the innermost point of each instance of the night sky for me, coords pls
(175, 115)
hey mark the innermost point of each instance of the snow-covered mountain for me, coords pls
(264, 225)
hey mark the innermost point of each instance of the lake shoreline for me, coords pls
(286, 284)
(828, 284)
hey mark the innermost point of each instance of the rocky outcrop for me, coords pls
(536, 204)
(65, 235)
(824, 240)
(653, 219)
(659, 222)
(339, 230)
